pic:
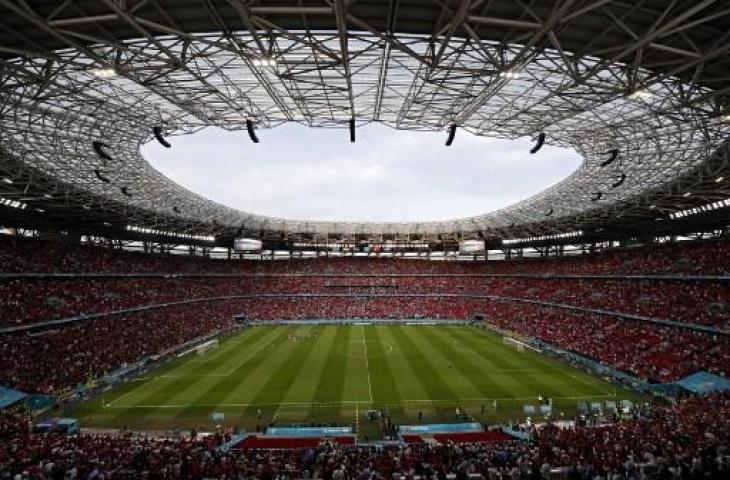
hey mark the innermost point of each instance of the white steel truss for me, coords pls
(643, 113)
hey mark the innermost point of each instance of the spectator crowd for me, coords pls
(27, 255)
(99, 280)
(688, 441)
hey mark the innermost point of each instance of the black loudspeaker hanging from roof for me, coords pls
(99, 149)
(100, 175)
(251, 132)
(612, 155)
(452, 134)
(620, 181)
(160, 138)
(538, 145)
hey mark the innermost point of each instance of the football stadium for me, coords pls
(348, 239)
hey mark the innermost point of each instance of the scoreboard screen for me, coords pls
(472, 247)
(247, 245)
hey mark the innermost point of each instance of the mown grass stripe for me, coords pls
(564, 375)
(163, 389)
(537, 383)
(478, 376)
(382, 380)
(331, 384)
(218, 391)
(426, 373)
(275, 390)
(484, 345)
(226, 352)
(411, 368)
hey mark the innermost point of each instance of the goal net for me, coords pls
(206, 346)
(518, 344)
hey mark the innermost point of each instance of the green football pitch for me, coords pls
(334, 374)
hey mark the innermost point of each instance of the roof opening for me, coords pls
(306, 173)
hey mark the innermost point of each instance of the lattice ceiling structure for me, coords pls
(639, 89)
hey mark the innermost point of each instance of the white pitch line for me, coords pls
(259, 348)
(367, 365)
(108, 405)
(357, 418)
(355, 402)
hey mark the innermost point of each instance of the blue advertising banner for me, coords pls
(704, 383)
(8, 396)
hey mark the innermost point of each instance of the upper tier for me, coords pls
(19, 255)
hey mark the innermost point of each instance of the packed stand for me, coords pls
(35, 300)
(55, 360)
(25, 255)
(686, 441)
(656, 353)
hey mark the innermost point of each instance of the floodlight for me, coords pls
(104, 72)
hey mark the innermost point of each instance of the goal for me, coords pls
(206, 346)
(518, 344)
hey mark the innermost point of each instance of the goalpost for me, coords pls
(519, 344)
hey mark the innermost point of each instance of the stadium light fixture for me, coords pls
(104, 72)
(264, 62)
(640, 94)
(510, 74)
(13, 203)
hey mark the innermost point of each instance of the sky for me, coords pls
(306, 173)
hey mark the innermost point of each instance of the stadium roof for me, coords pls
(639, 89)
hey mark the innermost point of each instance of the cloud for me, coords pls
(387, 175)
